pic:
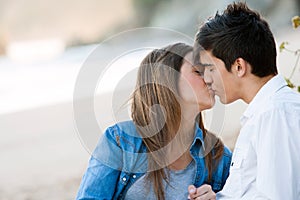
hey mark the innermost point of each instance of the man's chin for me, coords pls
(224, 100)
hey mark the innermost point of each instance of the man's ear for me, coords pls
(240, 67)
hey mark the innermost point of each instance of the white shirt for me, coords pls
(266, 159)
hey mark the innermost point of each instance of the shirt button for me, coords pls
(134, 176)
(124, 179)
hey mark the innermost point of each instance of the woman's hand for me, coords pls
(204, 192)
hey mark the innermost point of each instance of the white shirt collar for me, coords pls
(272, 86)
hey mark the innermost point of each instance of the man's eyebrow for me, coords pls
(204, 64)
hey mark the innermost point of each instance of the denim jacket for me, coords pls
(120, 158)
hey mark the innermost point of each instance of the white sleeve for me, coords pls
(278, 147)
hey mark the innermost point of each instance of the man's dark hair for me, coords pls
(240, 32)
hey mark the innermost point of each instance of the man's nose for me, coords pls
(207, 77)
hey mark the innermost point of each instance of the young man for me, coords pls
(239, 58)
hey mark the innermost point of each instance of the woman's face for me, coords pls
(191, 85)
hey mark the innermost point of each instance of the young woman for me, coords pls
(165, 147)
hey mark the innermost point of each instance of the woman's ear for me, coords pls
(240, 67)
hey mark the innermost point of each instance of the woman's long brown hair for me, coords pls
(157, 82)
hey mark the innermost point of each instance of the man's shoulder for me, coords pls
(285, 99)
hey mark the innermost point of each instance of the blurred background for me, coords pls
(44, 44)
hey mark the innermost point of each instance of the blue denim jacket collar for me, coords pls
(198, 137)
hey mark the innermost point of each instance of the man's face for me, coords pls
(219, 81)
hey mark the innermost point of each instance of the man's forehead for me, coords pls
(204, 59)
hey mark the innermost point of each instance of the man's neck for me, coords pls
(252, 87)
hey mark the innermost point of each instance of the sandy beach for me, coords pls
(41, 161)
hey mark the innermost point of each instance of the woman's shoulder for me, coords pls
(125, 135)
(123, 128)
(123, 140)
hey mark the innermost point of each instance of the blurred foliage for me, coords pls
(282, 47)
(296, 21)
(290, 84)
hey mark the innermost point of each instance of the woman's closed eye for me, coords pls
(200, 73)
